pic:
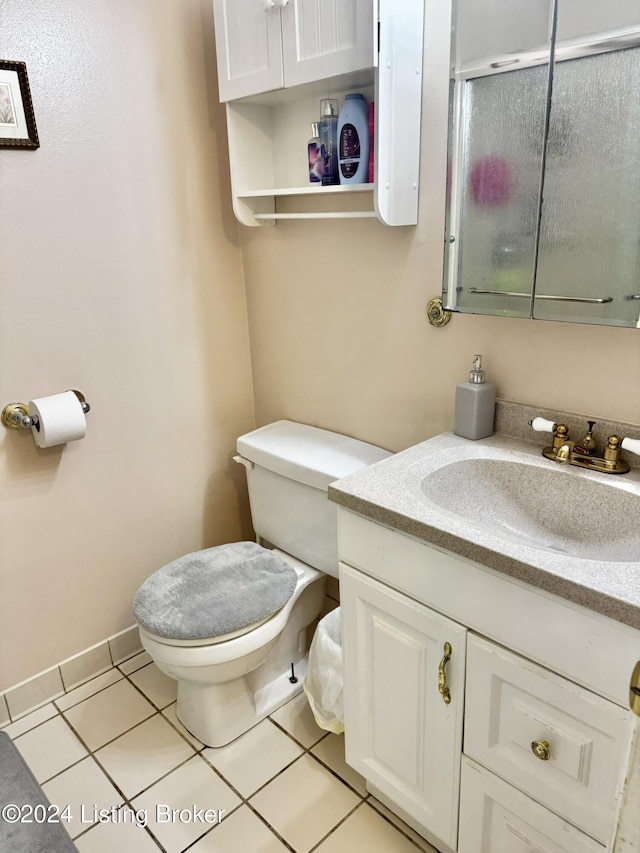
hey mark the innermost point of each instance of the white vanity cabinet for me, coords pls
(270, 44)
(277, 59)
(532, 751)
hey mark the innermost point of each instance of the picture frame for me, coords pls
(17, 118)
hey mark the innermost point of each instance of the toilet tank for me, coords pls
(289, 468)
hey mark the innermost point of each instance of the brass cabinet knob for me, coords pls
(540, 749)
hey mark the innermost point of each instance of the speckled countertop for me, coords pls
(572, 532)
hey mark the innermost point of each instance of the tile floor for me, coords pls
(116, 744)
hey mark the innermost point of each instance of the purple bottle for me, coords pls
(316, 157)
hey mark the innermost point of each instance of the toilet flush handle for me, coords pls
(248, 464)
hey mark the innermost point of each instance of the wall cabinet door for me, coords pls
(326, 38)
(400, 734)
(264, 45)
(249, 48)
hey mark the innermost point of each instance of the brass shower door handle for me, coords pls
(442, 675)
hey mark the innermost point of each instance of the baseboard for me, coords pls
(54, 682)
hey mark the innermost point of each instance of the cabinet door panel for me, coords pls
(325, 38)
(400, 734)
(248, 44)
(496, 818)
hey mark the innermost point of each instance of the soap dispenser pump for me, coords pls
(475, 404)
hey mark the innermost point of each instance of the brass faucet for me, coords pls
(585, 454)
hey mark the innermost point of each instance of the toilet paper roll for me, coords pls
(60, 419)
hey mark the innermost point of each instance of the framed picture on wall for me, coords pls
(17, 119)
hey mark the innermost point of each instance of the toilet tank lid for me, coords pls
(306, 453)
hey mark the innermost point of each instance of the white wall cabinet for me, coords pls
(539, 716)
(276, 60)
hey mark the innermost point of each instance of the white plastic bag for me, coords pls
(324, 680)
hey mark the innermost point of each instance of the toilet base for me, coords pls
(219, 713)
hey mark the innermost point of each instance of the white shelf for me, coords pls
(310, 190)
(344, 214)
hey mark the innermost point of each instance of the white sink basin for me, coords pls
(539, 507)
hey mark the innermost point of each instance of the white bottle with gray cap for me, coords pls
(475, 404)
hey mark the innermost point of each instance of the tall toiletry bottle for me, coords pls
(353, 141)
(329, 136)
(475, 404)
(315, 154)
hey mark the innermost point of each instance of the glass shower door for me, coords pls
(589, 245)
(500, 82)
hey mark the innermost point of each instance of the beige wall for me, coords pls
(339, 338)
(121, 275)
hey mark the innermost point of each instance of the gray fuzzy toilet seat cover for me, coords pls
(214, 592)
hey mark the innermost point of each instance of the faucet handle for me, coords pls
(542, 425)
(631, 444)
(560, 432)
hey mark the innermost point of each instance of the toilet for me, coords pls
(230, 623)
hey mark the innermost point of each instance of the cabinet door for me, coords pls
(249, 47)
(326, 38)
(400, 734)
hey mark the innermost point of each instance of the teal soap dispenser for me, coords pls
(475, 404)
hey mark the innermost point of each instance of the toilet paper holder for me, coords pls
(16, 415)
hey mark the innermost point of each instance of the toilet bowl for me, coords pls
(230, 681)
